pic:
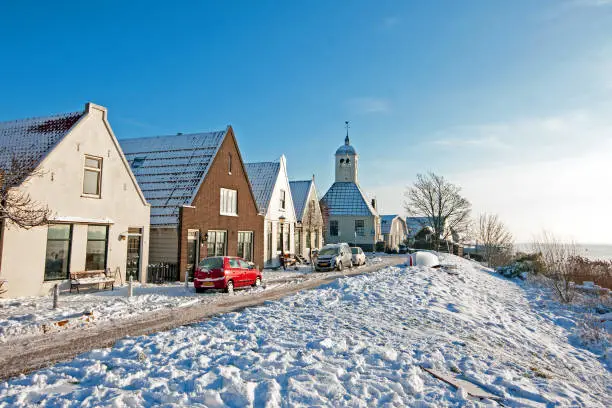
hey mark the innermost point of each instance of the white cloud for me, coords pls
(364, 105)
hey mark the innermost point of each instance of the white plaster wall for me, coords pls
(23, 255)
(275, 211)
(346, 228)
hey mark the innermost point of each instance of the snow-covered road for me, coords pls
(358, 341)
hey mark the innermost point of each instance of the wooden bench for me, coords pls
(90, 278)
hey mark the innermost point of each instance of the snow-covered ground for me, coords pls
(359, 341)
(33, 316)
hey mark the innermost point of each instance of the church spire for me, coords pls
(346, 139)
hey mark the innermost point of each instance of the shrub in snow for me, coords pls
(594, 334)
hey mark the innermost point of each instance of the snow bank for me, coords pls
(356, 342)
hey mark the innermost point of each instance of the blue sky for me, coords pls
(511, 100)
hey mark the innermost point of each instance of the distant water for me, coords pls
(591, 251)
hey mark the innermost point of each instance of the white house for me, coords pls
(394, 231)
(99, 217)
(350, 217)
(273, 195)
(309, 228)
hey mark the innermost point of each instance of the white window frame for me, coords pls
(228, 202)
(98, 170)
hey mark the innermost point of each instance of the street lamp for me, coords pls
(281, 220)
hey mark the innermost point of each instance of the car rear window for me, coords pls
(215, 262)
(328, 251)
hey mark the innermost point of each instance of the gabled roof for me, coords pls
(386, 221)
(299, 193)
(263, 176)
(346, 198)
(170, 169)
(416, 224)
(30, 140)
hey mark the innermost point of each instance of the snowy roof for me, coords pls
(29, 140)
(416, 224)
(346, 148)
(346, 198)
(170, 169)
(263, 177)
(386, 221)
(299, 194)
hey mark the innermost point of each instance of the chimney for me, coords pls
(374, 203)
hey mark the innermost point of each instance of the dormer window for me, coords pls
(348, 161)
(138, 161)
(341, 161)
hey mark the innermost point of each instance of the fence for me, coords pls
(162, 272)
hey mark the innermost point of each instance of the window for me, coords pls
(229, 163)
(317, 243)
(95, 255)
(234, 263)
(212, 263)
(244, 264)
(92, 178)
(359, 228)
(57, 259)
(282, 199)
(279, 237)
(308, 240)
(298, 241)
(333, 228)
(245, 245)
(138, 161)
(216, 243)
(229, 202)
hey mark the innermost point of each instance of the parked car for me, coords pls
(359, 257)
(225, 272)
(402, 249)
(334, 256)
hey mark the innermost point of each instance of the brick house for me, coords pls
(309, 226)
(201, 200)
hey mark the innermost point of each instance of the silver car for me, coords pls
(334, 256)
(359, 257)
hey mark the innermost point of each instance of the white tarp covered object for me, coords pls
(421, 258)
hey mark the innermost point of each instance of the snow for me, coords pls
(23, 317)
(359, 341)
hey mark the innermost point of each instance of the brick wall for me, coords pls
(204, 215)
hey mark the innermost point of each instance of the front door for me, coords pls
(193, 238)
(132, 267)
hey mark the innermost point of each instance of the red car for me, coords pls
(225, 272)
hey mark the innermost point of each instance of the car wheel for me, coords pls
(257, 282)
(230, 287)
(339, 266)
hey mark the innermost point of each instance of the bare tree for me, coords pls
(312, 222)
(16, 205)
(441, 205)
(558, 259)
(495, 239)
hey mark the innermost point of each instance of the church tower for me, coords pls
(346, 161)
